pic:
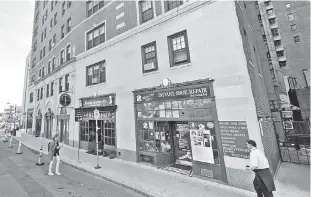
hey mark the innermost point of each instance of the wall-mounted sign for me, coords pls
(184, 93)
(98, 102)
(234, 135)
(65, 100)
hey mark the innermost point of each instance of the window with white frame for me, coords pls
(291, 16)
(287, 5)
(96, 73)
(146, 10)
(62, 32)
(96, 36)
(93, 6)
(68, 52)
(62, 57)
(53, 63)
(49, 67)
(69, 25)
(149, 57)
(178, 49)
(169, 5)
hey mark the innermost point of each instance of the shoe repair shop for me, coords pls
(106, 123)
(177, 127)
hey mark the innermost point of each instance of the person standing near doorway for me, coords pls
(54, 147)
(263, 182)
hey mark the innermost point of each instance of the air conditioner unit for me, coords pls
(95, 80)
(149, 66)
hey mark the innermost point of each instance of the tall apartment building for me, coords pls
(172, 87)
(287, 31)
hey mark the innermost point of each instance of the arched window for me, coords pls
(49, 115)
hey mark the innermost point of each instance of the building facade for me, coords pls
(173, 90)
(287, 31)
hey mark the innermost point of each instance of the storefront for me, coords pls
(29, 121)
(38, 124)
(48, 126)
(106, 123)
(177, 126)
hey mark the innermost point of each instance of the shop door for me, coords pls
(182, 146)
(38, 127)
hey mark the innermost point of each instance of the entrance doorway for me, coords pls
(182, 146)
(63, 127)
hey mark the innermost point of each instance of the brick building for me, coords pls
(172, 88)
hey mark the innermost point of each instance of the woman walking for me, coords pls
(54, 147)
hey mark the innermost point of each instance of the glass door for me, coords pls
(182, 146)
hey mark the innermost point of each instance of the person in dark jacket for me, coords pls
(263, 182)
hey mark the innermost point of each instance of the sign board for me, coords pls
(65, 100)
(184, 93)
(98, 102)
(96, 114)
(234, 135)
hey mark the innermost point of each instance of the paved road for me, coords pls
(20, 177)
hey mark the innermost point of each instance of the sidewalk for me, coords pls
(150, 180)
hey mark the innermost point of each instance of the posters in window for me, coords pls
(201, 144)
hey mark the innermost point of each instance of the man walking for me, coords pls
(263, 182)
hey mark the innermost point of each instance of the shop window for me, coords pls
(146, 10)
(96, 73)
(109, 133)
(178, 49)
(149, 56)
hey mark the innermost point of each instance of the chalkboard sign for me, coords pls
(234, 135)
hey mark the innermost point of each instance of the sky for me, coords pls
(16, 18)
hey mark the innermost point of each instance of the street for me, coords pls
(20, 177)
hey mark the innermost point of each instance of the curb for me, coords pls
(92, 173)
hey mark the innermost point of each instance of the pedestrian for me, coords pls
(263, 182)
(54, 147)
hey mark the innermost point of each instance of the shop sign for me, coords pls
(184, 93)
(98, 102)
(234, 135)
(202, 143)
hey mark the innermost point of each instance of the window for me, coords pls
(63, 8)
(146, 10)
(53, 63)
(43, 20)
(52, 5)
(109, 133)
(67, 82)
(41, 93)
(272, 73)
(47, 90)
(46, 15)
(89, 8)
(95, 6)
(68, 4)
(96, 36)
(55, 18)
(43, 52)
(96, 73)
(54, 40)
(293, 27)
(277, 43)
(50, 44)
(62, 57)
(42, 34)
(291, 16)
(69, 25)
(52, 88)
(31, 97)
(178, 49)
(297, 39)
(275, 32)
(40, 54)
(62, 32)
(68, 56)
(272, 21)
(270, 12)
(149, 56)
(33, 63)
(38, 94)
(273, 104)
(60, 85)
(280, 53)
(173, 4)
(282, 63)
(45, 32)
(51, 24)
(101, 4)
(43, 71)
(49, 67)
(287, 5)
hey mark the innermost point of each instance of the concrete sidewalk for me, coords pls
(150, 180)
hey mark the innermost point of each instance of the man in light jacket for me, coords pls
(263, 182)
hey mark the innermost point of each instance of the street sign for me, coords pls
(96, 114)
